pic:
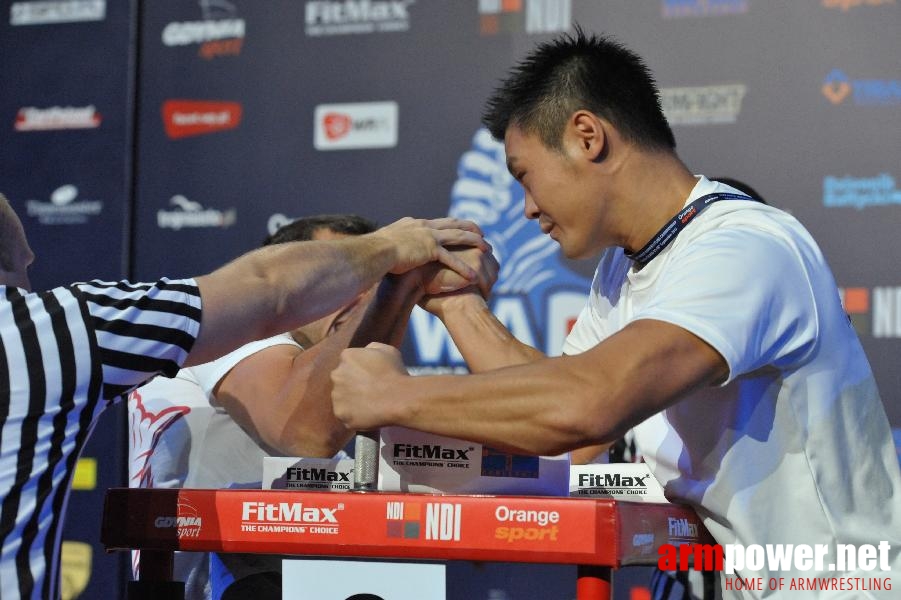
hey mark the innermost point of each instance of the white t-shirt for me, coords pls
(181, 437)
(795, 448)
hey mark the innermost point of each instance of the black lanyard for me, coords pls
(669, 231)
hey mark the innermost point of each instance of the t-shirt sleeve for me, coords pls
(585, 334)
(141, 329)
(745, 292)
(209, 374)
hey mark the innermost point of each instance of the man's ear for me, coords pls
(590, 134)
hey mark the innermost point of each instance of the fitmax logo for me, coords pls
(433, 451)
(285, 512)
(682, 528)
(611, 481)
(356, 17)
(312, 474)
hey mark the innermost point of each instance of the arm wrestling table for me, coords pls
(596, 534)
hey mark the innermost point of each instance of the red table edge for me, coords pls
(625, 533)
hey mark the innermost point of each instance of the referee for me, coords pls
(68, 353)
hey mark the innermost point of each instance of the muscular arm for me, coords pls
(486, 345)
(483, 341)
(589, 454)
(282, 395)
(278, 288)
(546, 407)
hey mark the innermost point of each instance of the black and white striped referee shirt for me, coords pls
(65, 355)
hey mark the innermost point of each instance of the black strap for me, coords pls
(669, 231)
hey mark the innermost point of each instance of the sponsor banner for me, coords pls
(847, 5)
(59, 11)
(674, 9)
(314, 474)
(630, 482)
(420, 462)
(839, 87)
(320, 518)
(64, 208)
(874, 312)
(219, 33)
(190, 214)
(76, 562)
(531, 16)
(521, 529)
(702, 105)
(185, 522)
(356, 580)
(860, 192)
(355, 126)
(188, 118)
(349, 17)
(31, 118)
(645, 527)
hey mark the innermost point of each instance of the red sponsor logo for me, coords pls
(337, 125)
(185, 118)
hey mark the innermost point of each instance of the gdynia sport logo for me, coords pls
(743, 565)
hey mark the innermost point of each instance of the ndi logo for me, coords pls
(536, 296)
(533, 16)
(873, 312)
(441, 520)
(838, 87)
(860, 192)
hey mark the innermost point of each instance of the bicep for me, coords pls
(248, 389)
(644, 368)
(227, 319)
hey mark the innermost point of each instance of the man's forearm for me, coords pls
(306, 425)
(386, 317)
(291, 284)
(483, 341)
(521, 409)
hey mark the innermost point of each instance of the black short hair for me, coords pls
(302, 229)
(579, 71)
